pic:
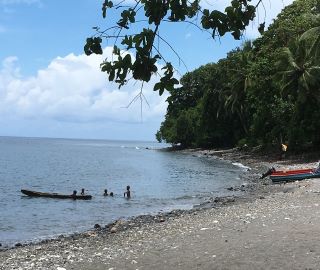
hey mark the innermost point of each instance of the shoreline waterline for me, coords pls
(240, 193)
(160, 181)
(207, 202)
(212, 237)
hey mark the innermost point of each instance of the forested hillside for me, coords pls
(266, 92)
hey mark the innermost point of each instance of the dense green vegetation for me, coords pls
(265, 92)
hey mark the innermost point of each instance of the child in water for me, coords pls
(127, 193)
(74, 194)
(106, 193)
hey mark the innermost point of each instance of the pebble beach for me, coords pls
(267, 227)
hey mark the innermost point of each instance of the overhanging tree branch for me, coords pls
(142, 44)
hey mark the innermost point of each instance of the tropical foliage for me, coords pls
(265, 92)
(138, 31)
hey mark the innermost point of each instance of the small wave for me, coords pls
(130, 147)
(186, 197)
(240, 165)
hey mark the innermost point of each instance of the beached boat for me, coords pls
(55, 195)
(294, 175)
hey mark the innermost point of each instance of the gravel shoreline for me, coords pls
(217, 235)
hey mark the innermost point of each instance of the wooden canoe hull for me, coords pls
(293, 175)
(292, 172)
(55, 195)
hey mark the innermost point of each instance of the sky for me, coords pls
(49, 88)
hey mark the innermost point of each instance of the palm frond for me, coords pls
(312, 36)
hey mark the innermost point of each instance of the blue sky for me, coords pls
(49, 88)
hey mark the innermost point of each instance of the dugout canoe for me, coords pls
(294, 175)
(55, 195)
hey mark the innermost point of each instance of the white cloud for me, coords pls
(73, 89)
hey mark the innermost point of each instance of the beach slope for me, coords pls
(278, 231)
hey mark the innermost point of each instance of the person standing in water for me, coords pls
(127, 193)
(74, 194)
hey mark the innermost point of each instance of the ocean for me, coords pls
(160, 181)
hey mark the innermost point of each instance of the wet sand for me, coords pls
(269, 227)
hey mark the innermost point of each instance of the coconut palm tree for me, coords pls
(300, 86)
(233, 96)
(300, 68)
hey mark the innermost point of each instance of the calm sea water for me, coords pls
(159, 180)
